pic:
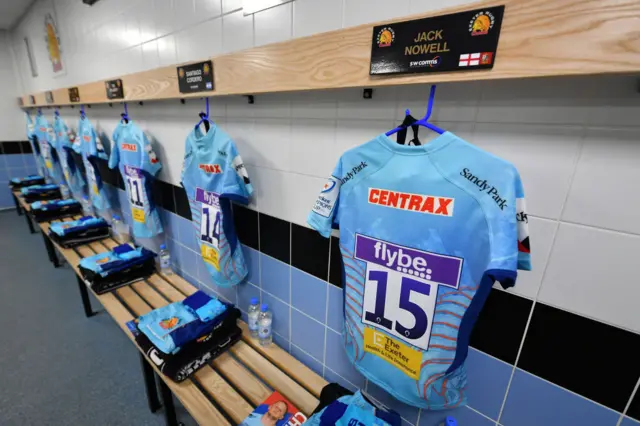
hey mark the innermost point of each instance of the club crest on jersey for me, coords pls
(129, 147)
(210, 168)
(441, 206)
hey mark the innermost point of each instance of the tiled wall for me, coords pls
(559, 349)
(16, 160)
(11, 123)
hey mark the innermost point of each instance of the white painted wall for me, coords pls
(11, 118)
(574, 140)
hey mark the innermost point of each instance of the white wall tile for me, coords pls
(207, 9)
(452, 102)
(231, 5)
(383, 105)
(542, 232)
(273, 25)
(313, 147)
(150, 57)
(605, 188)
(536, 100)
(132, 29)
(241, 131)
(545, 156)
(617, 102)
(271, 105)
(163, 17)
(199, 42)
(273, 137)
(358, 12)
(351, 133)
(184, 14)
(594, 272)
(167, 50)
(238, 32)
(313, 16)
(317, 104)
(145, 10)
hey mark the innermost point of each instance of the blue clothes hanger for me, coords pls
(57, 112)
(125, 114)
(204, 117)
(82, 114)
(423, 121)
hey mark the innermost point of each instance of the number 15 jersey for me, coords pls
(213, 175)
(425, 231)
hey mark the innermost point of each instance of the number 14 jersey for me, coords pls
(213, 175)
(425, 231)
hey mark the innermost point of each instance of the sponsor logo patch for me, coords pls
(129, 147)
(327, 197)
(210, 168)
(441, 206)
(484, 186)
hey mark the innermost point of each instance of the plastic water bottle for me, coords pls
(87, 208)
(64, 191)
(254, 313)
(120, 230)
(264, 325)
(165, 260)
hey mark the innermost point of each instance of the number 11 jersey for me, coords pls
(132, 151)
(425, 231)
(213, 175)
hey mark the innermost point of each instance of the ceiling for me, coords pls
(11, 11)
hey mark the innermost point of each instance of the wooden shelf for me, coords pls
(538, 38)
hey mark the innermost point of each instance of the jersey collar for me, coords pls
(435, 144)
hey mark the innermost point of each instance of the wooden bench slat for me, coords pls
(313, 382)
(179, 283)
(243, 379)
(165, 288)
(228, 398)
(275, 377)
(149, 294)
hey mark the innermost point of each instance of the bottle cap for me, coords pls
(450, 421)
(163, 246)
(116, 217)
(264, 307)
(254, 300)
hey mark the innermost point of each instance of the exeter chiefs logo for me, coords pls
(386, 36)
(481, 23)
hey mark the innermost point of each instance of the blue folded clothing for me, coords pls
(174, 325)
(121, 257)
(84, 223)
(52, 204)
(35, 189)
(26, 179)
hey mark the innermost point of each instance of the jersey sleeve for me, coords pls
(236, 183)
(510, 250)
(324, 214)
(150, 162)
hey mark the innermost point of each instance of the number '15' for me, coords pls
(407, 285)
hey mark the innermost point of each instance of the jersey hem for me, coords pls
(390, 390)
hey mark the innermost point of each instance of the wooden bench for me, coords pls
(227, 389)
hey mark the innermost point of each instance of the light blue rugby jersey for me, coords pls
(213, 175)
(132, 152)
(64, 145)
(47, 140)
(92, 149)
(35, 145)
(425, 231)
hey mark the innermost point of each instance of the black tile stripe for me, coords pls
(336, 274)
(182, 202)
(309, 251)
(500, 326)
(25, 147)
(592, 359)
(164, 192)
(11, 147)
(634, 409)
(275, 237)
(246, 224)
